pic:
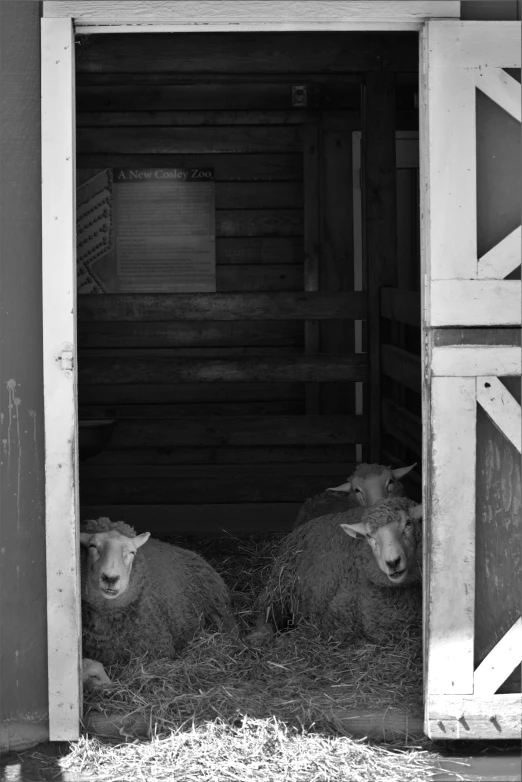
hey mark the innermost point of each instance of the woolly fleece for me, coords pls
(323, 575)
(172, 593)
(339, 502)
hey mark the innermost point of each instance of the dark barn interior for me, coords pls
(229, 409)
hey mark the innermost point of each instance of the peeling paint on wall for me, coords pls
(14, 419)
(32, 414)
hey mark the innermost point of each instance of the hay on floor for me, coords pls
(288, 710)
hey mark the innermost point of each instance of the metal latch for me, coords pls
(67, 359)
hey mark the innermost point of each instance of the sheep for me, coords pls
(93, 673)
(367, 484)
(143, 596)
(351, 574)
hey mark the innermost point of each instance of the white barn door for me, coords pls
(471, 309)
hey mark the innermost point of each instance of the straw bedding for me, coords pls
(227, 711)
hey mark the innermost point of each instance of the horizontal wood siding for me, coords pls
(250, 369)
(324, 53)
(211, 306)
(208, 391)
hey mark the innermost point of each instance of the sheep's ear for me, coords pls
(354, 530)
(139, 540)
(415, 512)
(346, 487)
(85, 538)
(400, 471)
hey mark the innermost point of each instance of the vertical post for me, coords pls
(380, 223)
(60, 383)
(311, 247)
(450, 581)
(337, 252)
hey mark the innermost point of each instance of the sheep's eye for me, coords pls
(408, 525)
(358, 491)
(94, 546)
(391, 486)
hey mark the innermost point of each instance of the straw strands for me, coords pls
(287, 711)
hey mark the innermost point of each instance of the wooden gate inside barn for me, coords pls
(472, 366)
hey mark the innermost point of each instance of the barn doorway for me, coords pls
(225, 410)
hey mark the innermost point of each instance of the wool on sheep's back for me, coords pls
(325, 576)
(172, 593)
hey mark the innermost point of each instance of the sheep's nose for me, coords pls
(110, 580)
(393, 564)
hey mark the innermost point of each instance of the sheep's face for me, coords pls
(392, 538)
(371, 485)
(109, 561)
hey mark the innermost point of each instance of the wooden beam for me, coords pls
(502, 408)
(222, 306)
(475, 303)
(391, 725)
(401, 306)
(380, 218)
(402, 366)
(247, 139)
(472, 361)
(186, 393)
(336, 271)
(450, 596)
(208, 334)
(507, 337)
(282, 455)
(61, 447)
(119, 412)
(460, 45)
(311, 246)
(249, 369)
(127, 117)
(473, 717)
(501, 88)
(270, 14)
(505, 256)
(216, 472)
(231, 97)
(500, 662)
(239, 431)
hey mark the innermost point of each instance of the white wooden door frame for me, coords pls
(61, 19)
(60, 377)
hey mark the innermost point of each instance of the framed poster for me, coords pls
(146, 230)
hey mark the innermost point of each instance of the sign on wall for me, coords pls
(146, 230)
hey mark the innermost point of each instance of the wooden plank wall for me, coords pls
(400, 321)
(213, 394)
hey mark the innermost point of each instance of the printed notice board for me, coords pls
(146, 230)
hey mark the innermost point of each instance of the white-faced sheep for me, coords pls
(144, 596)
(368, 484)
(353, 575)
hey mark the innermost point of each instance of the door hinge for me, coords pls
(67, 359)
